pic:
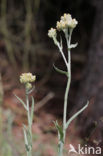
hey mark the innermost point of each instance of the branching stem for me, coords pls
(68, 40)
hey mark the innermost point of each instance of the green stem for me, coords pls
(68, 40)
(29, 152)
(61, 50)
(65, 115)
(60, 149)
(65, 106)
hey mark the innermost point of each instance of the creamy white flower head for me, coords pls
(60, 25)
(66, 22)
(66, 17)
(73, 23)
(27, 78)
(52, 33)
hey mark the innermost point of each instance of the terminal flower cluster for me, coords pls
(27, 79)
(66, 22)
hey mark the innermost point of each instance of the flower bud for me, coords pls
(28, 86)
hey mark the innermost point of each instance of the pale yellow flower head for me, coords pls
(27, 78)
(66, 18)
(60, 25)
(52, 33)
(65, 22)
(73, 23)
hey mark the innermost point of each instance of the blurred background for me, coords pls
(25, 47)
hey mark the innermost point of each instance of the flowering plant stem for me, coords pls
(66, 24)
(27, 79)
(66, 92)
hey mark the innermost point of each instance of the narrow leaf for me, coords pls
(60, 71)
(22, 102)
(76, 114)
(60, 131)
(29, 137)
(26, 140)
(32, 109)
(73, 45)
(30, 91)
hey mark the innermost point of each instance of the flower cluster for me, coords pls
(52, 33)
(27, 79)
(66, 21)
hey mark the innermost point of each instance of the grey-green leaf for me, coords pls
(73, 45)
(26, 140)
(76, 114)
(60, 131)
(60, 71)
(22, 102)
(32, 109)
